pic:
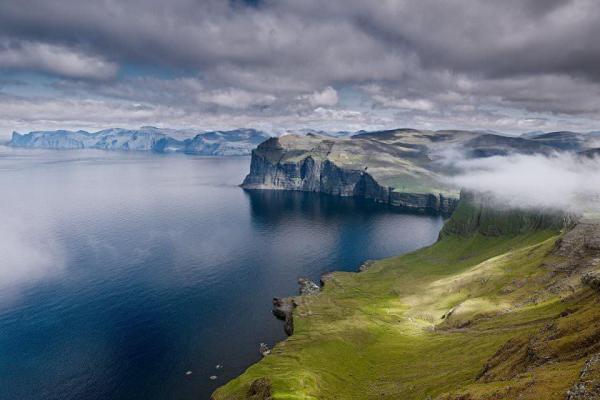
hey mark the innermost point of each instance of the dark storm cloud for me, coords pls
(488, 37)
(437, 59)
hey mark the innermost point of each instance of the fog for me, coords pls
(561, 181)
(26, 247)
(29, 251)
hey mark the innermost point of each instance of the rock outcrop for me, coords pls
(308, 287)
(591, 279)
(283, 309)
(287, 164)
(588, 386)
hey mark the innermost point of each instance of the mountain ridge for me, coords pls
(216, 143)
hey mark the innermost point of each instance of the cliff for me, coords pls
(479, 213)
(345, 168)
(485, 313)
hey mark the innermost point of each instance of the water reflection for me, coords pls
(160, 265)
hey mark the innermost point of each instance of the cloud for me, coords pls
(236, 98)
(29, 250)
(326, 97)
(562, 182)
(24, 115)
(55, 59)
(459, 64)
(404, 104)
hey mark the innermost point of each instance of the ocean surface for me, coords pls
(121, 272)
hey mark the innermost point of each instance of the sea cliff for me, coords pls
(275, 166)
(484, 313)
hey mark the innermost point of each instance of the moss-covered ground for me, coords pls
(470, 317)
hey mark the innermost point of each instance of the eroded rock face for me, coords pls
(481, 213)
(283, 309)
(579, 252)
(275, 167)
(588, 386)
(591, 279)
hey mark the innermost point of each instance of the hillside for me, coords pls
(482, 314)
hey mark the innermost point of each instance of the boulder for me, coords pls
(308, 287)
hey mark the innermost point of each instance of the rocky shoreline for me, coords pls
(283, 307)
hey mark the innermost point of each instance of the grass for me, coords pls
(386, 334)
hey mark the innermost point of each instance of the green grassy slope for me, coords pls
(471, 317)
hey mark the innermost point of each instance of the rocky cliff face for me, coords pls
(480, 213)
(317, 173)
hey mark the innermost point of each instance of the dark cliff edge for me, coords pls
(311, 173)
(479, 213)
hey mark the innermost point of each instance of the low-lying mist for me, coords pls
(565, 182)
(29, 250)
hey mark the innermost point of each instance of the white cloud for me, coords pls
(405, 104)
(236, 98)
(563, 182)
(59, 60)
(24, 114)
(327, 97)
(29, 249)
(497, 60)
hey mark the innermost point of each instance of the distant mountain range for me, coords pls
(215, 143)
(243, 141)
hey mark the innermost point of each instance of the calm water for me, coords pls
(120, 272)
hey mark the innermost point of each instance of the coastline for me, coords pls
(362, 322)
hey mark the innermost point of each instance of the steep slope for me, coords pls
(482, 314)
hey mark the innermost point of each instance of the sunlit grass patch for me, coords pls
(425, 324)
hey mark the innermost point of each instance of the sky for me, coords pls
(511, 66)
